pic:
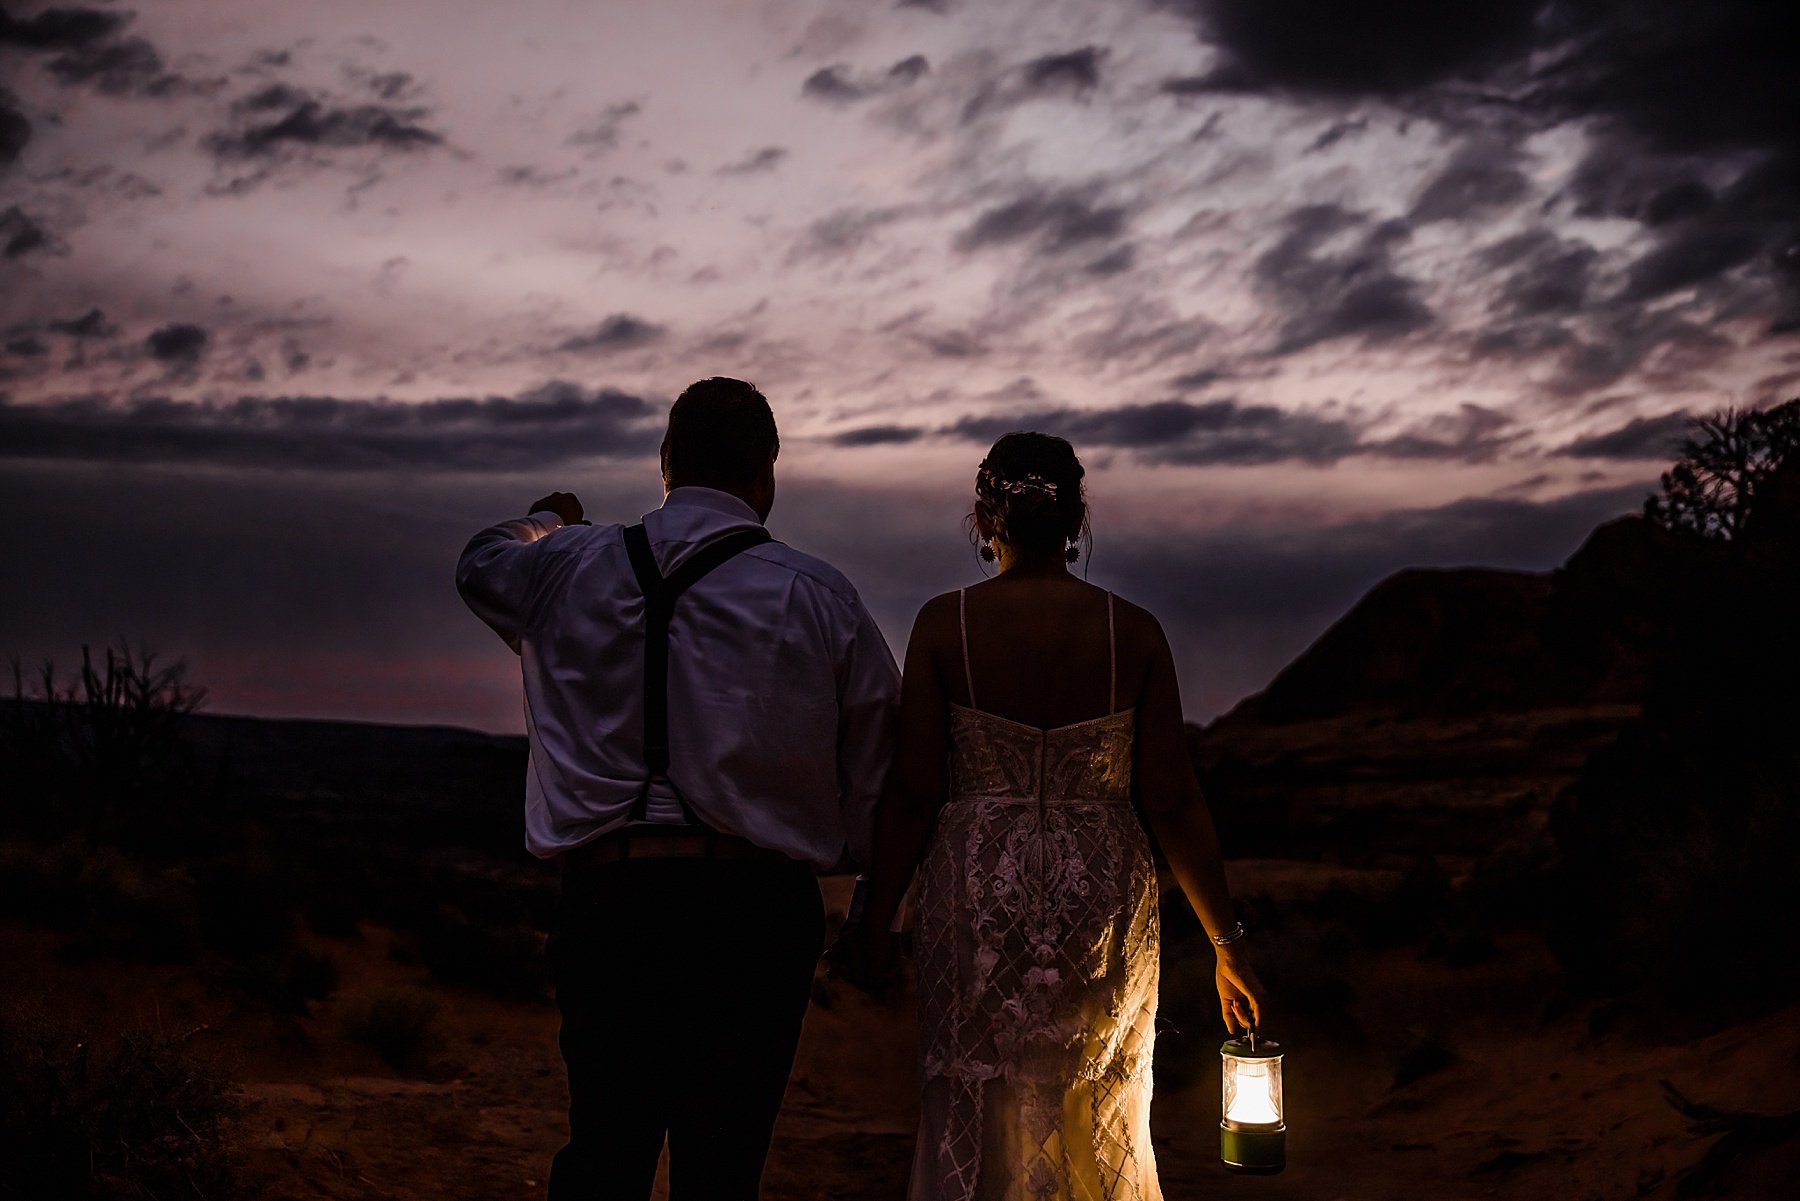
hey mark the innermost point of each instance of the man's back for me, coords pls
(781, 688)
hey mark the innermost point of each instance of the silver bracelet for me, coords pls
(1230, 936)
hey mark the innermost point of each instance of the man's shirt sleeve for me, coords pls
(868, 717)
(499, 573)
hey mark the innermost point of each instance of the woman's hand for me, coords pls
(1241, 995)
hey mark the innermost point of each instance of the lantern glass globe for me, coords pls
(1253, 1092)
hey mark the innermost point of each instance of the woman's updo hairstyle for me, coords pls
(1029, 494)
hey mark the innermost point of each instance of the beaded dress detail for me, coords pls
(1037, 951)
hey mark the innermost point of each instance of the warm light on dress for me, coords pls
(1252, 1132)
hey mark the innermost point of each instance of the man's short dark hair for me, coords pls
(721, 434)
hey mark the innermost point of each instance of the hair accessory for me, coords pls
(1030, 482)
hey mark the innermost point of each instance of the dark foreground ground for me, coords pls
(1432, 1080)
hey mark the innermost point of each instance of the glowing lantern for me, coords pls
(1252, 1133)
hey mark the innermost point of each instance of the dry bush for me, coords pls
(103, 752)
(135, 1117)
(399, 1024)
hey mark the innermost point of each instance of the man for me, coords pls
(711, 716)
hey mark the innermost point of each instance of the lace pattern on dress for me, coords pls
(1038, 947)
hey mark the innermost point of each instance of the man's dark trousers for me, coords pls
(682, 984)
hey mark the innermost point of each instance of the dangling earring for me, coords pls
(1073, 553)
(987, 553)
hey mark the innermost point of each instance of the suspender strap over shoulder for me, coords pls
(660, 595)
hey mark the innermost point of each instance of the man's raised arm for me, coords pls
(498, 570)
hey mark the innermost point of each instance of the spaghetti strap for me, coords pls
(1112, 657)
(962, 618)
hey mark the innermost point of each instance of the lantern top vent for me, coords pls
(1247, 1048)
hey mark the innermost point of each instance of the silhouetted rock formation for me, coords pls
(1678, 844)
(1445, 711)
(1464, 641)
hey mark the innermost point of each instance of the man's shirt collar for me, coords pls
(692, 496)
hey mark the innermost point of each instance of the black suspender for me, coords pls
(660, 595)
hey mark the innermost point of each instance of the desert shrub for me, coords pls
(136, 1117)
(399, 1024)
(504, 959)
(288, 982)
(113, 903)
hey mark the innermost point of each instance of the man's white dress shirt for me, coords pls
(782, 692)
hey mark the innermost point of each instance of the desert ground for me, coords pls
(1434, 1080)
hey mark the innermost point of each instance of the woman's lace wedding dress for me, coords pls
(1038, 944)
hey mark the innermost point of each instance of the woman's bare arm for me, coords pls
(917, 784)
(1183, 826)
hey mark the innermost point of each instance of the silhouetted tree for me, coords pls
(1726, 462)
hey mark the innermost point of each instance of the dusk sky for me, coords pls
(294, 297)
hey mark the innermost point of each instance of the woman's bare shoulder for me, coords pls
(1137, 626)
(938, 618)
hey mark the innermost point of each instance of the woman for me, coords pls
(1034, 705)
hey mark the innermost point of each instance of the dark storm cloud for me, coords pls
(179, 344)
(91, 324)
(1193, 381)
(279, 118)
(1336, 132)
(1349, 292)
(877, 435)
(1693, 256)
(126, 67)
(757, 162)
(1472, 434)
(1547, 275)
(621, 331)
(1643, 438)
(1175, 431)
(1114, 262)
(842, 231)
(1690, 109)
(28, 347)
(1378, 47)
(839, 85)
(603, 133)
(1072, 74)
(87, 52)
(1480, 178)
(60, 28)
(1054, 221)
(1076, 71)
(15, 129)
(1227, 432)
(20, 235)
(548, 425)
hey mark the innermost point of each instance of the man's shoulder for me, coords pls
(808, 567)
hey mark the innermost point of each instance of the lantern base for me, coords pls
(1253, 1152)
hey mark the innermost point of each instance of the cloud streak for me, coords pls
(553, 424)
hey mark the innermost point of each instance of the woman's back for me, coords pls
(1037, 919)
(1043, 652)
